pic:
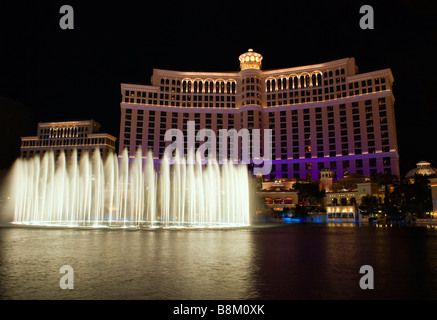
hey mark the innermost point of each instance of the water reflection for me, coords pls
(290, 262)
(123, 264)
(323, 262)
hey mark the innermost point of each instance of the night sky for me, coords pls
(76, 74)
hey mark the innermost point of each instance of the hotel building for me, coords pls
(324, 115)
(66, 136)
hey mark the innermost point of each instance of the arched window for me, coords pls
(343, 201)
(200, 86)
(268, 86)
(296, 83)
(302, 81)
(279, 84)
(273, 84)
(307, 80)
(314, 80)
(334, 202)
(233, 86)
(195, 86)
(319, 79)
(184, 86)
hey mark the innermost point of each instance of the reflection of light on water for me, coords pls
(91, 192)
(341, 224)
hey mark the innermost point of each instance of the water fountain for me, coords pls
(128, 192)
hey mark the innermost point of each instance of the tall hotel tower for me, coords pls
(325, 115)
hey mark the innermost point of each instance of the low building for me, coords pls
(344, 198)
(67, 136)
(279, 194)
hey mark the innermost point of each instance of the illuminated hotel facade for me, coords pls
(67, 136)
(325, 115)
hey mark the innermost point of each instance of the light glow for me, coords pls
(127, 192)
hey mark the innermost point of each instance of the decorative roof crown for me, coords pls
(250, 60)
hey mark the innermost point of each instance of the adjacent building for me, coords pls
(325, 115)
(424, 168)
(279, 195)
(66, 136)
(344, 196)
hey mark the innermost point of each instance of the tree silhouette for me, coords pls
(369, 205)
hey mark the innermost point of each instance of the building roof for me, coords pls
(349, 182)
(278, 189)
(423, 168)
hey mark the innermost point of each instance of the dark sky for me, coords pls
(76, 74)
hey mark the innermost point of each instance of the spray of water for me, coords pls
(129, 192)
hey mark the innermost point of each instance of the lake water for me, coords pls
(297, 261)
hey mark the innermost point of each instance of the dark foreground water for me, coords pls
(289, 262)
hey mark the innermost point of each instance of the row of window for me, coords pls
(332, 165)
(281, 98)
(273, 100)
(67, 142)
(68, 152)
(339, 168)
(63, 132)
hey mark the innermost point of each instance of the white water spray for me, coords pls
(128, 192)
